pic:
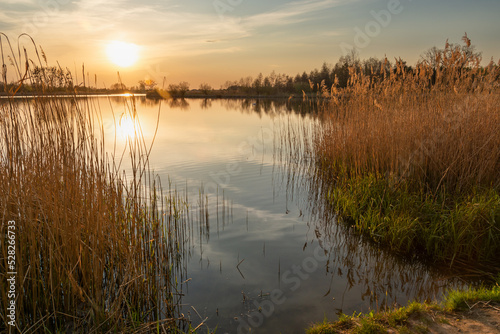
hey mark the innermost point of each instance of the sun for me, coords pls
(122, 54)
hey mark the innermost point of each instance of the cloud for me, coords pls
(293, 12)
(164, 28)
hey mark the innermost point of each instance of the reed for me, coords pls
(96, 249)
(411, 156)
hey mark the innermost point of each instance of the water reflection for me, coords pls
(259, 106)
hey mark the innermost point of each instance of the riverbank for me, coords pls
(471, 311)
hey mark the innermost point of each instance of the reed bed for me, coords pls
(97, 250)
(411, 156)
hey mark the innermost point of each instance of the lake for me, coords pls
(261, 252)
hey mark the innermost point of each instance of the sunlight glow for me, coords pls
(126, 127)
(122, 54)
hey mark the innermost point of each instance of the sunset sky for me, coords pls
(218, 40)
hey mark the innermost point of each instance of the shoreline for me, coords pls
(156, 96)
(470, 311)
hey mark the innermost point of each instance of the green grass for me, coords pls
(435, 227)
(459, 300)
(397, 319)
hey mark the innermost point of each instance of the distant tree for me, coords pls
(351, 59)
(305, 77)
(205, 88)
(375, 67)
(118, 86)
(314, 76)
(173, 89)
(272, 79)
(183, 88)
(453, 54)
(289, 85)
(341, 68)
(178, 90)
(257, 84)
(267, 82)
(432, 57)
(246, 82)
(324, 75)
(54, 77)
(148, 84)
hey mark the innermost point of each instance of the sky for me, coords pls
(214, 41)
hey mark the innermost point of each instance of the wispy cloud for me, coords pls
(165, 27)
(293, 12)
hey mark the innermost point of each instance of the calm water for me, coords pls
(262, 255)
(266, 259)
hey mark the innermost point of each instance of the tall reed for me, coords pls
(97, 250)
(412, 155)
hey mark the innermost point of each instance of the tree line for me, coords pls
(317, 80)
(338, 75)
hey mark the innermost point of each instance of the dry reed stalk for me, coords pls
(437, 127)
(95, 250)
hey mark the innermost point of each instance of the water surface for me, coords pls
(261, 252)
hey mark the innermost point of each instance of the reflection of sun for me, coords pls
(126, 127)
(122, 54)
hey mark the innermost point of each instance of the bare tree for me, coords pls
(205, 88)
(183, 88)
(148, 84)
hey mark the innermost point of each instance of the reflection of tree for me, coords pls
(182, 104)
(272, 106)
(206, 104)
(149, 102)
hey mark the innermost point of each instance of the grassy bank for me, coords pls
(420, 317)
(94, 249)
(442, 227)
(411, 158)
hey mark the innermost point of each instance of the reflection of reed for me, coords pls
(380, 276)
(217, 206)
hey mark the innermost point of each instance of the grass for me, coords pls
(416, 223)
(96, 249)
(460, 300)
(398, 319)
(411, 157)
